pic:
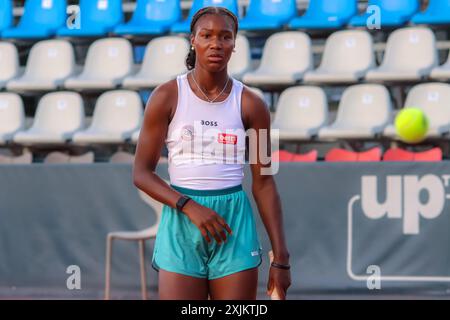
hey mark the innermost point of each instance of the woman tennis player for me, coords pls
(207, 243)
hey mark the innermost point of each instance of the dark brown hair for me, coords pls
(190, 59)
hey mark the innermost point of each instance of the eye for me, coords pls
(206, 36)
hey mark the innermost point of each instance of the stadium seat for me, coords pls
(286, 57)
(108, 62)
(397, 154)
(9, 63)
(40, 20)
(25, 158)
(6, 15)
(286, 156)
(268, 14)
(300, 113)
(135, 135)
(347, 57)
(363, 112)
(97, 18)
(410, 55)
(122, 157)
(433, 99)
(170, 49)
(185, 25)
(393, 13)
(325, 14)
(50, 63)
(241, 60)
(341, 155)
(58, 116)
(441, 72)
(117, 115)
(12, 116)
(151, 17)
(437, 13)
(61, 157)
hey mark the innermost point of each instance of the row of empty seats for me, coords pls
(364, 112)
(302, 114)
(287, 59)
(372, 155)
(45, 18)
(60, 118)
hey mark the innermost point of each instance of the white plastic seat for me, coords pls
(25, 158)
(49, 64)
(240, 61)
(58, 116)
(122, 157)
(135, 136)
(363, 112)
(108, 62)
(286, 57)
(347, 57)
(300, 113)
(9, 63)
(12, 116)
(410, 55)
(61, 157)
(433, 99)
(163, 61)
(117, 115)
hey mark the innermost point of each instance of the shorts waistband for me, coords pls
(215, 192)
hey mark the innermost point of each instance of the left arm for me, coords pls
(256, 117)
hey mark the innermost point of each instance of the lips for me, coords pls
(215, 58)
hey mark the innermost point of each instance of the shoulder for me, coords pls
(164, 98)
(254, 108)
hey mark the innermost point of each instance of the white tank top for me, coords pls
(206, 140)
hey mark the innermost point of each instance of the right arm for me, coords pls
(148, 151)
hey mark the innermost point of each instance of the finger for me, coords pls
(225, 225)
(213, 232)
(220, 231)
(205, 234)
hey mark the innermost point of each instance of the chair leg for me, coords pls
(143, 271)
(109, 241)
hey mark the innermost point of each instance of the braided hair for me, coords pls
(190, 59)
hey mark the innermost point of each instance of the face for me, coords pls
(213, 41)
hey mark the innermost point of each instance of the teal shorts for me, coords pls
(181, 248)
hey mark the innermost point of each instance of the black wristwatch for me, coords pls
(182, 201)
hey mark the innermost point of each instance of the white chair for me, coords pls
(61, 157)
(12, 116)
(122, 157)
(49, 64)
(240, 61)
(58, 116)
(163, 61)
(286, 57)
(301, 111)
(108, 62)
(363, 112)
(433, 99)
(25, 158)
(347, 57)
(410, 55)
(135, 136)
(9, 63)
(117, 115)
(139, 236)
(441, 72)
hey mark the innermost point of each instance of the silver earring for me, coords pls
(192, 48)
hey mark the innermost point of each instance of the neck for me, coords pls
(210, 82)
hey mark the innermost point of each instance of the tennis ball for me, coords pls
(411, 125)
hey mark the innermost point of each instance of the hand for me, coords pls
(207, 220)
(279, 279)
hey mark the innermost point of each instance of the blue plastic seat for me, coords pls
(394, 13)
(185, 25)
(6, 14)
(97, 18)
(268, 14)
(326, 14)
(151, 17)
(41, 19)
(437, 12)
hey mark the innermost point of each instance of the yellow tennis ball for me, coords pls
(411, 125)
